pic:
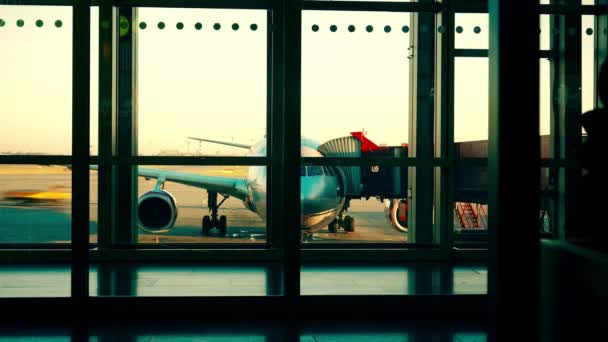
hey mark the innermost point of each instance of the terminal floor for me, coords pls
(131, 279)
(254, 331)
(234, 280)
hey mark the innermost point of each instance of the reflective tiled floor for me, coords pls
(340, 331)
(244, 280)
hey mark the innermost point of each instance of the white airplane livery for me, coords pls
(323, 203)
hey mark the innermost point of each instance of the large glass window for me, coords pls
(36, 111)
(36, 84)
(355, 103)
(201, 74)
(194, 96)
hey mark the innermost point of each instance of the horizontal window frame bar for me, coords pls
(373, 255)
(35, 159)
(376, 6)
(485, 53)
(191, 160)
(372, 6)
(366, 245)
(41, 2)
(202, 4)
(470, 53)
(372, 161)
(196, 246)
(463, 7)
(34, 246)
(574, 9)
(559, 163)
(479, 253)
(263, 161)
(388, 161)
(459, 307)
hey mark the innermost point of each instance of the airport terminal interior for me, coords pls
(302, 170)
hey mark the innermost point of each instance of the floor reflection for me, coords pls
(133, 279)
(262, 331)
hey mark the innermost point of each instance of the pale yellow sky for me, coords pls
(212, 83)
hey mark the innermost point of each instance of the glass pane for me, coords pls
(35, 204)
(36, 87)
(355, 280)
(354, 204)
(201, 73)
(545, 102)
(129, 279)
(548, 200)
(25, 281)
(375, 0)
(94, 79)
(355, 75)
(471, 100)
(471, 203)
(470, 280)
(545, 32)
(472, 31)
(588, 62)
(181, 210)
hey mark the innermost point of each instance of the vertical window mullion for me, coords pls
(444, 128)
(125, 188)
(421, 129)
(291, 147)
(80, 150)
(107, 60)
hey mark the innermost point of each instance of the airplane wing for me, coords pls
(222, 142)
(236, 187)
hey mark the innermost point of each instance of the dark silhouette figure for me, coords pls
(593, 190)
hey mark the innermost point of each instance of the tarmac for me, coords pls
(35, 208)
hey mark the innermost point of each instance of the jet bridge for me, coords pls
(368, 181)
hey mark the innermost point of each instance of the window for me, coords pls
(188, 156)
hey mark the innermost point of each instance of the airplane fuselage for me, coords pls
(320, 189)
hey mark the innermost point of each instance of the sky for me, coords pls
(212, 83)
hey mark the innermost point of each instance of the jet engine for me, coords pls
(156, 211)
(396, 211)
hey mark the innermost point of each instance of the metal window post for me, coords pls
(444, 127)
(80, 152)
(107, 122)
(513, 165)
(291, 148)
(422, 113)
(601, 44)
(125, 230)
(567, 107)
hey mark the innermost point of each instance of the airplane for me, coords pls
(323, 203)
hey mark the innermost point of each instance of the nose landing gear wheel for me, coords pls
(333, 226)
(348, 224)
(221, 226)
(213, 220)
(206, 225)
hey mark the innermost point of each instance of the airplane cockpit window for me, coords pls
(328, 171)
(315, 171)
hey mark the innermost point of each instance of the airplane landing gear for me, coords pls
(213, 220)
(346, 222)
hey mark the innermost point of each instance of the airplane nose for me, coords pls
(317, 195)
